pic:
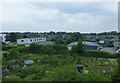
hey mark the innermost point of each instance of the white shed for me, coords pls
(30, 40)
(28, 62)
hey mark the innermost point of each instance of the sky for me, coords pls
(82, 17)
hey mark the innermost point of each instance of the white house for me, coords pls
(30, 40)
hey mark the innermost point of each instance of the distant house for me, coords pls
(91, 46)
(116, 45)
(87, 45)
(30, 40)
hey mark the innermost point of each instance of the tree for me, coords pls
(35, 48)
(76, 37)
(13, 37)
(25, 36)
(78, 49)
(59, 41)
(60, 49)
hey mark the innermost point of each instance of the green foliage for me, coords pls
(110, 44)
(65, 73)
(70, 73)
(76, 37)
(97, 53)
(13, 54)
(116, 73)
(6, 47)
(13, 37)
(47, 49)
(59, 41)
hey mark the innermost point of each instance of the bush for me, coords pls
(70, 73)
(78, 49)
(100, 54)
(44, 49)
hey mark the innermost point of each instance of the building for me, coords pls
(30, 40)
(116, 45)
(2, 37)
(46, 43)
(91, 46)
(87, 45)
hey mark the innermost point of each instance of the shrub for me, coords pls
(101, 54)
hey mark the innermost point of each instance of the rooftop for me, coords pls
(84, 43)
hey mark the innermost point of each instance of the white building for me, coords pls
(2, 37)
(30, 40)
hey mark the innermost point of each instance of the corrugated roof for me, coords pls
(84, 43)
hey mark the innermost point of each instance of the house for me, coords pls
(87, 45)
(30, 40)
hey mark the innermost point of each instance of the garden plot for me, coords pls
(101, 65)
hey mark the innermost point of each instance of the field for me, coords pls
(59, 67)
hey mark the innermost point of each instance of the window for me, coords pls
(31, 40)
(35, 39)
(22, 40)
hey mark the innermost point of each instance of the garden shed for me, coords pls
(80, 68)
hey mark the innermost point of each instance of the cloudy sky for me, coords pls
(60, 16)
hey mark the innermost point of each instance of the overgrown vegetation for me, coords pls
(56, 62)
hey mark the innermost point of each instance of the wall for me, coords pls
(87, 47)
